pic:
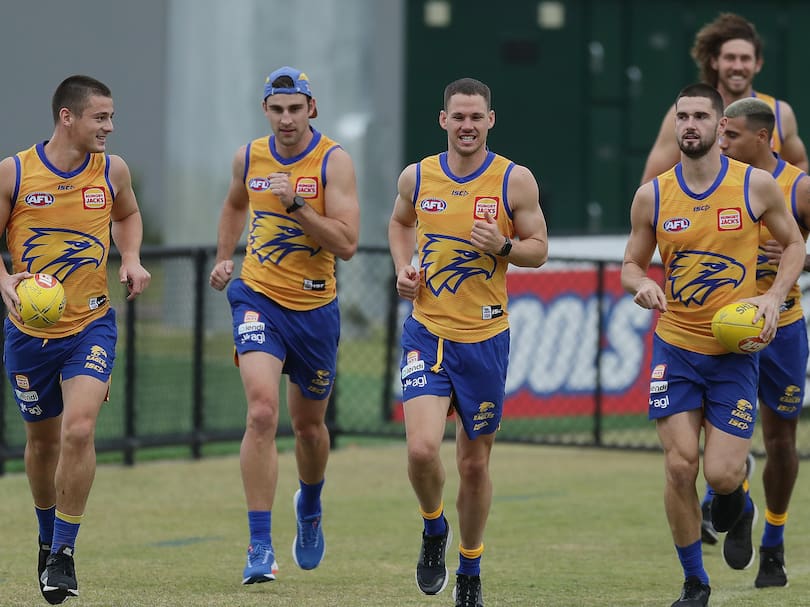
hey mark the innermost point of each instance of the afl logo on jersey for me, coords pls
(259, 184)
(676, 224)
(39, 199)
(432, 205)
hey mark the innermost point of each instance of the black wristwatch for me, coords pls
(297, 203)
(506, 248)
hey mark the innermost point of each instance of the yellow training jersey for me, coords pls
(787, 176)
(283, 262)
(462, 296)
(60, 225)
(776, 139)
(708, 244)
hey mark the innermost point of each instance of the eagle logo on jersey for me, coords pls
(695, 275)
(765, 269)
(273, 237)
(61, 252)
(449, 261)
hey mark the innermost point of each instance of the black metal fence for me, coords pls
(577, 362)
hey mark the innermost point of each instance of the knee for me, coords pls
(682, 471)
(262, 416)
(473, 469)
(422, 453)
(79, 432)
(781, 447)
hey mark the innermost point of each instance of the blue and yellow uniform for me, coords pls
(457, 340)
(60, 225)
(773, 103)
(708, 244)
(285, 301)
(783, 364)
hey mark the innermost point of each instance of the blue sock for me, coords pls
(64, 533)
(773, 535)
(309, 501)
(259, 525)
(45, 517)
(467, 566)
(691, 558)
(707, 497)
(435, 526)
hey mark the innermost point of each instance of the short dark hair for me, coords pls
(712, 36)
(73, 93)
(467, 86)
(701, 89)
(757, 114)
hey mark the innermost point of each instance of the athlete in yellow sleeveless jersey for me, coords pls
(464, 298)
(708, 245)
(57, 202)
(749, 126)
(460, 210)
(60, 225)
(702, 215)
(296, 190)
(282, 261)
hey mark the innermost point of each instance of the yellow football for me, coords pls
(733, 326)
(42, 301)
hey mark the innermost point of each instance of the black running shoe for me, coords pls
(59, 578)
(738, 551)
(707, 531)
(467, 592)
(44, 553)
(431, 571)
(694, 594)
(772, 572)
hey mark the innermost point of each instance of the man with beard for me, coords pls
(460, 209)
(728, 53)
(703, 215)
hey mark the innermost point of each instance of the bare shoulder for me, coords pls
(522, 188)
(406, 184)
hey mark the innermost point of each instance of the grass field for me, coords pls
(568, 527)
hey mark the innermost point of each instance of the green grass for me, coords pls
(568, 527)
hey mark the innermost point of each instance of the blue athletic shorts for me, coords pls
(36, 367)
(724, 385)
(473, 374)
(783, 370)
(306, 341)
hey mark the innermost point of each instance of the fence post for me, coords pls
(600, 331)
(130, 422)
(197, 392)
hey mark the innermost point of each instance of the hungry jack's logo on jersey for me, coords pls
(307, 187)
(61, 252)
(694, 275)
(447, 262)
(94, 198)
(729, 219)
(274, 236)
(484, 205)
